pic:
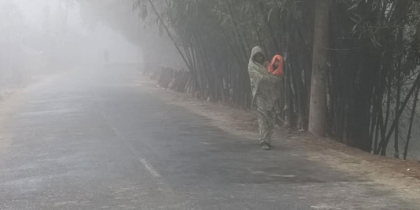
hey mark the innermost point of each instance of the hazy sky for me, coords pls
(33, 11)
(97, 40)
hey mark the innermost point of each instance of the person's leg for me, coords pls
(265, 124)
(263, 129)
(261, 125)
(271, 121)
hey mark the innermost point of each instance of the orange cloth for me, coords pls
(279, 70)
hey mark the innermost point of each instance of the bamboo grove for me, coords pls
(372, 79)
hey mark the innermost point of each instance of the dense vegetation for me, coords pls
(365, 54)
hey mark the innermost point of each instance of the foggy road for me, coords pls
(93, 139)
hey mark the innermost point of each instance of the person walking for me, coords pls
(265, 88)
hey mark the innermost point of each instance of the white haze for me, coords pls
(79, 43)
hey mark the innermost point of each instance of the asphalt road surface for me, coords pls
(93, 139)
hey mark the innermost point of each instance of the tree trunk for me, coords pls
(171, 37)
(270, 29)
(397, 107)
(319, 66)
(384, 142)
(384, 125)
(413, 111)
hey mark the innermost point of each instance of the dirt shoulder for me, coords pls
(403, 177)
(10, 102)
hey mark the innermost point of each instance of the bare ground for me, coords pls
(9, 104)
(402, 177)
(10, 101)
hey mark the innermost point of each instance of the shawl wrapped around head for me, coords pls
(263, 83)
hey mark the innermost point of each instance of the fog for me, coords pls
(48, 36)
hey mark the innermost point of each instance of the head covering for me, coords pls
(279, 70)
(255, 70)
(256, 50)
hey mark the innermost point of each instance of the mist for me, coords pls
(209, 104)
(49, 36)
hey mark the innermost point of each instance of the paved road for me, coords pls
(92, 139)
